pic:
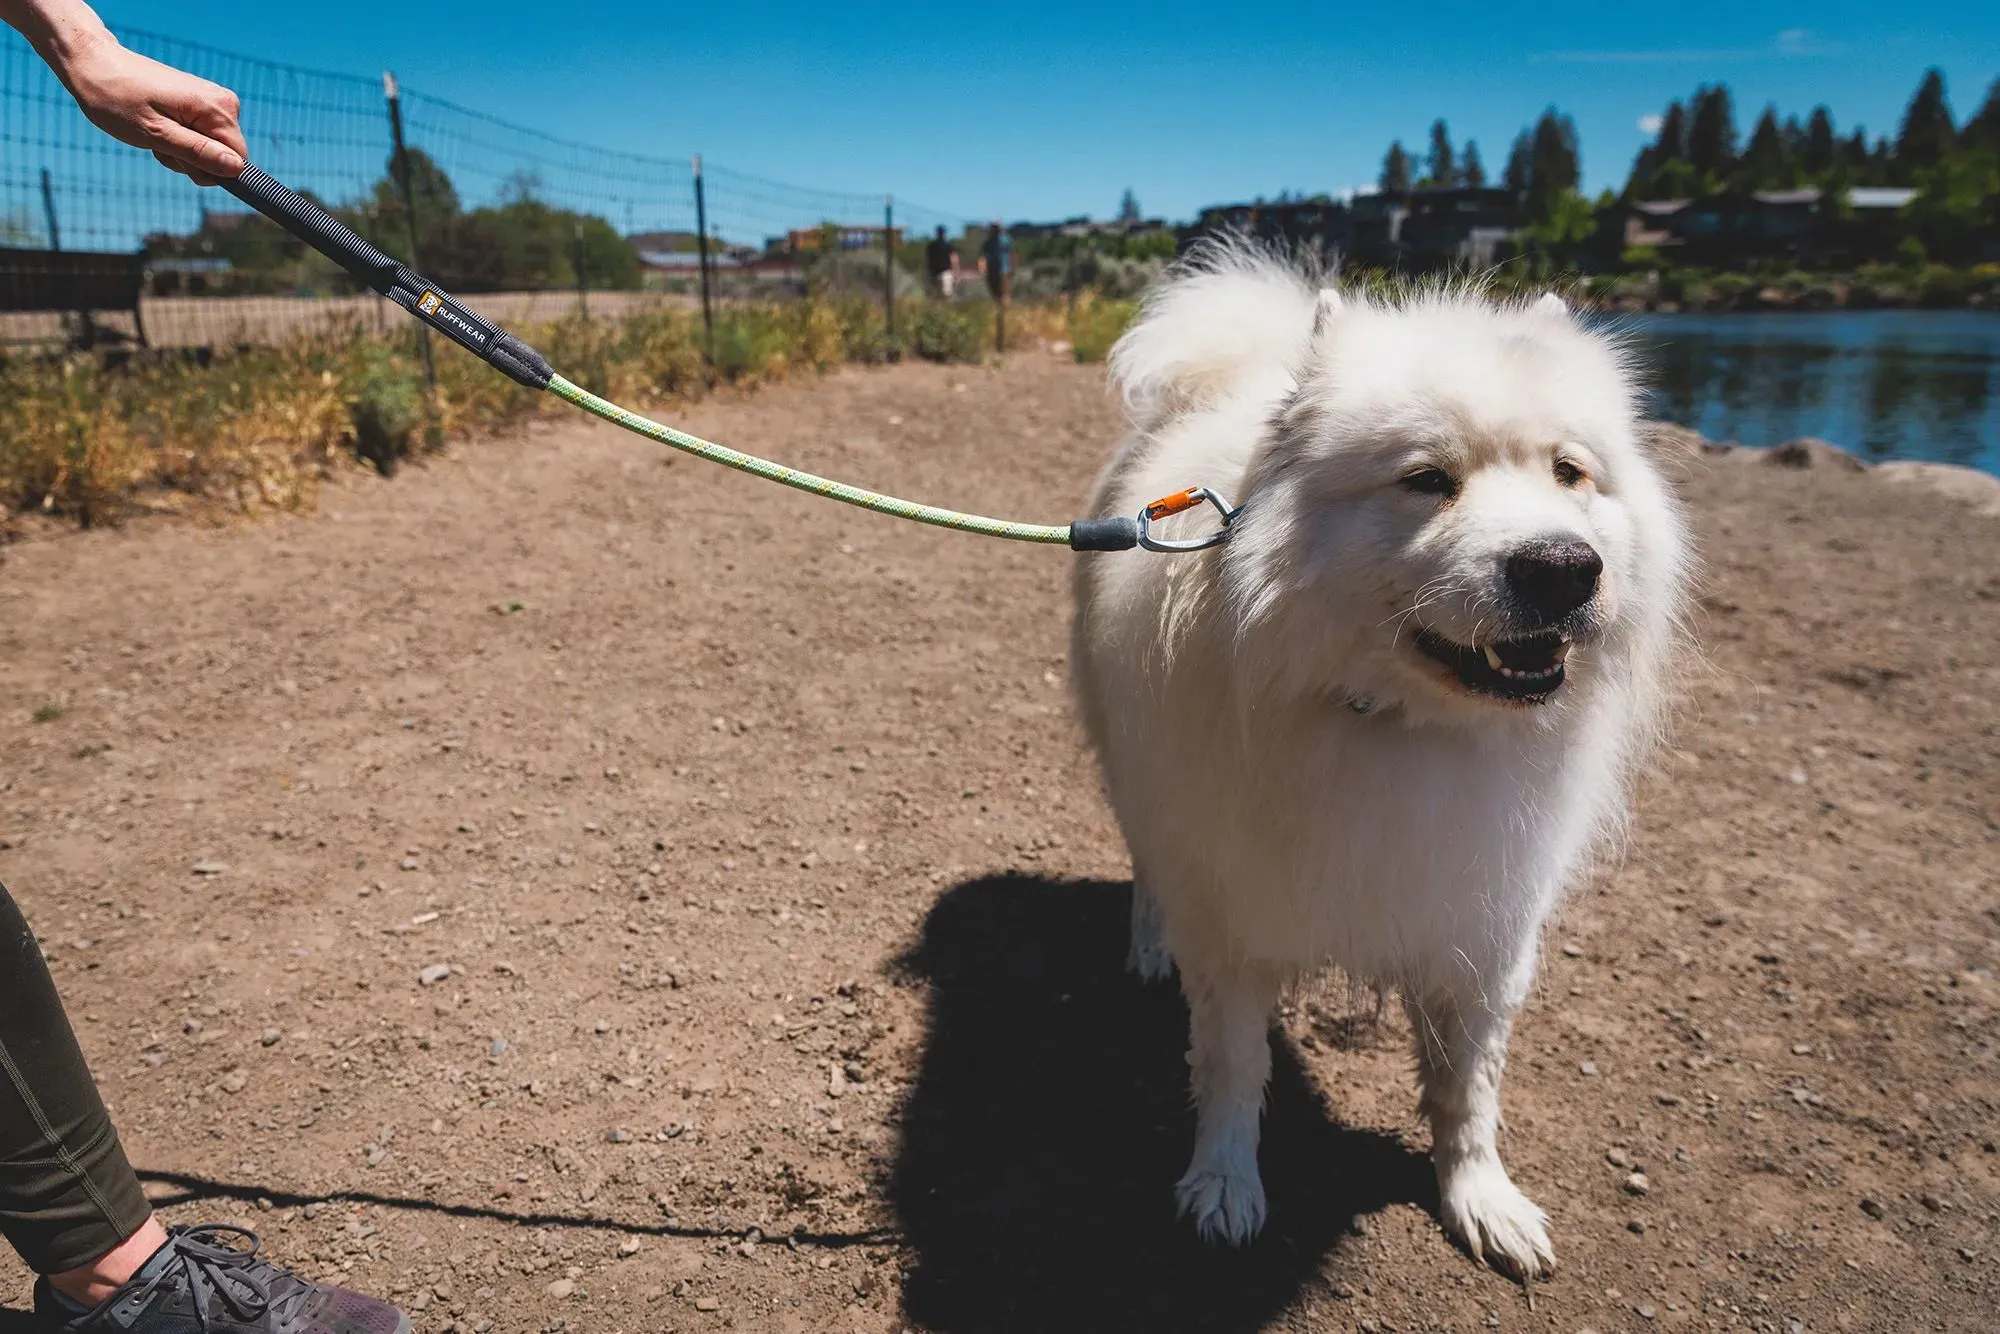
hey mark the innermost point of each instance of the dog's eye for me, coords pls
(1568, 474)
(1431, 482)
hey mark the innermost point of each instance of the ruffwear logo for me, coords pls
(428, 303)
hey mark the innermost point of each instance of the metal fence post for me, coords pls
(401, 163)
(49, 211)
(701, 246)
(889, 265)
(582, 283)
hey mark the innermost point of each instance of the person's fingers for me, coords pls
(197, 150)
(186, 168)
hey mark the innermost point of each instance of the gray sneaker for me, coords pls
(201, 1281)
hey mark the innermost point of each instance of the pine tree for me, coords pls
(1128, 206)
(1554, 166)
(1881, 169)
(1521, 163)
(1396, 170)
(1820, 149)
(1712, 135)
(1764, 164)
(1443, 165)
(1854, 150)
(1654, 174)
(1927, 134)
(1983, 130)
(1471, 171)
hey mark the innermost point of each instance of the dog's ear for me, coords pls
(1331, 303)
(1550, 307)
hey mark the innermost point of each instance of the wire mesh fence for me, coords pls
(524, 225)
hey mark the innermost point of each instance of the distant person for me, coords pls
(941, 265)
(996, 261)
(70, 1203)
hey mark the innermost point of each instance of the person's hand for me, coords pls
(188, 123)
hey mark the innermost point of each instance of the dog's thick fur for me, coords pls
(1298, 783)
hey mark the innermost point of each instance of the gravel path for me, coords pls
(572, 888)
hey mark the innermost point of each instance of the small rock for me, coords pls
(1636, 1226)
(561, 1288)
(270, 1037)
(1647, 1311)
(1807, 452)
(1637, 1184)
(1588, 1069)
(409, 863)
(603, 1026)
(207, 867)
(617, 1137)
(1618, 1157)
(1932, 1203)
(1873, 1208)
(1802, 1049)
(433, 973)
(708, 1303)
(497, 1048)
(312, 1210)
(235, 1081)
(628, 1248)
(1573, 950)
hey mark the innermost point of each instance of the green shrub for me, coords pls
(1097, 326)
(1910, 253)
(956, 331)
(386, 408)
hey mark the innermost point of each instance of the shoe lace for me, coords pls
(217, 1272)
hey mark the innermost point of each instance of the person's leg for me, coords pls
(69, 1202)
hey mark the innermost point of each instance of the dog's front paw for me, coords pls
(1487, 1214)
(1226, 1207)
(1147, 956)
(1149, 960)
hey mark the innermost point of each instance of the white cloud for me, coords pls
(1650, 124)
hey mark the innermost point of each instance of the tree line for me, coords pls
(1697, 152)
(521, 242)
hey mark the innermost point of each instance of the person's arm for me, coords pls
(189, 124)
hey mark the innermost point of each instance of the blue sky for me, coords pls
(1028, 112)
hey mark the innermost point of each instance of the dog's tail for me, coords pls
(1229, 310)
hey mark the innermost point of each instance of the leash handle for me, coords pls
(411, 290)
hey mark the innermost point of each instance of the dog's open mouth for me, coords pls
(1524, 671)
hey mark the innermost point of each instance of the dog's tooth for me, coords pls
(1493, 658)
(1562, 652)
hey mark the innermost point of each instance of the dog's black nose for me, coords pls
(1554, 577)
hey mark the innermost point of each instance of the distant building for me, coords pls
(846, 237)
(1737, 225)
(1415, 230)
(1086, 228)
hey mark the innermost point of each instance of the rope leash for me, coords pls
(486, 340)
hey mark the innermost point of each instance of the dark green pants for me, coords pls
(67, 1195)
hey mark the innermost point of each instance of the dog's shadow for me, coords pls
(1050, 1118)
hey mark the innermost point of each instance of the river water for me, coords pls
(1892, 384)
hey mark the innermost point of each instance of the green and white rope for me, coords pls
(1048, 534)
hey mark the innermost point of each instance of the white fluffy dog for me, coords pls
(1386, 722)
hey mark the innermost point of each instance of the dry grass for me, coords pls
(261, 428)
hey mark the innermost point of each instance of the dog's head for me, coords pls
(1453, 512)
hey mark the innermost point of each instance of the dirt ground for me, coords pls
(782, 916)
